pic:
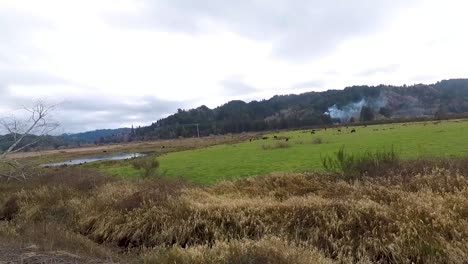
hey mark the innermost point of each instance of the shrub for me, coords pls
(341, 162)
(282, 145)
(10, 209)
(366, 114)
(317, 141)
(355, 166)
(277, 145)
(148, 166)
(266, 147)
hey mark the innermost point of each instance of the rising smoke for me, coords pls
(345, 113)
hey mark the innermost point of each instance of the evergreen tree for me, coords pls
(366, 114)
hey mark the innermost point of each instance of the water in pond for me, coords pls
(94, 159)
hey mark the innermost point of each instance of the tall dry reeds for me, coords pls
(416, 214)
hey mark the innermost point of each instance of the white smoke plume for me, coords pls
(345, 113)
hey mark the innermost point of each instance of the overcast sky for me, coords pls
(114, 63)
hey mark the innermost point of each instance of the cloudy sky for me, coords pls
(114, 63)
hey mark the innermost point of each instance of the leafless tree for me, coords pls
(37, 124)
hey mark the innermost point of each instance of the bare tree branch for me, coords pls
(25, 146)
(38, 124)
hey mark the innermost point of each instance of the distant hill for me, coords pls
(353, 104)
(99, 136)
(102, 136)
(47, 142)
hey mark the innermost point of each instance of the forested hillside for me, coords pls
(353, 104)
(100, 136)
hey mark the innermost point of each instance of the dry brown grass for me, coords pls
(157, 147)
(418, 214)
(264, 251)
(40, 212)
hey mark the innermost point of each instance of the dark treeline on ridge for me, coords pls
(353, 104)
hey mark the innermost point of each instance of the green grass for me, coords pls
(123, 171)
(210, 165)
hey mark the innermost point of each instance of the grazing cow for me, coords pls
(339, 130)
(264, 138)
(353, 131)
(275, 137)
(287, 139)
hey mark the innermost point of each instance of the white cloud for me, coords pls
(187, 53)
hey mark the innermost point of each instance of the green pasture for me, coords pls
(259, 157)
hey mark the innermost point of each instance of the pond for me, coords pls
(94, 159)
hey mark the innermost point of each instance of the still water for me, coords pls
(94, 159)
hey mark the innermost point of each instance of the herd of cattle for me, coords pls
(340, 130)
(313, 131)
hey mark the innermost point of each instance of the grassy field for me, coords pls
(304, 151)
(401, 211)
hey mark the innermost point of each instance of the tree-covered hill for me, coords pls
(99, 136)
(316, 108)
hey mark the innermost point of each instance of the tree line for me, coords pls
(311, 109)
